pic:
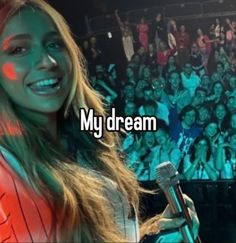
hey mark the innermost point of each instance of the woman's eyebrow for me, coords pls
(52, 34)
(24, 36)
(6, 42)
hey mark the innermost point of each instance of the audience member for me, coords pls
(127, 36)
(143, 29)
(199, 164)
(190, 80)
(185, 130)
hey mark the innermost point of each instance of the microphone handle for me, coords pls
(175, 199)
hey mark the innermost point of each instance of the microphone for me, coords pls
(168, 181)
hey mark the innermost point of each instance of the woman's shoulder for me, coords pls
(24, 211)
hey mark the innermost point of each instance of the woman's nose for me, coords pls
(46, 61)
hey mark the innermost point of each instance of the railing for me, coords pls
(215, 204)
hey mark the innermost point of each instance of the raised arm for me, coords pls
(118, 19)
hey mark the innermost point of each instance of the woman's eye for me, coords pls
(56, 45)
(17, 50)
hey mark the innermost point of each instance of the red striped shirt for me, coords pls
(24, 215)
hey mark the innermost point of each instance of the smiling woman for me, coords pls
(45, 194)
(36, 68)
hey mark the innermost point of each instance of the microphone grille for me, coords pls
(167, 175)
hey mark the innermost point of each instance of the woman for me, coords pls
(217, 93)
(143, 30)
(199, 163)
(45, 195)
(212, 132)
(178, 96)
(221, 115)
(127, 37)
(163, 54)
(204, 44)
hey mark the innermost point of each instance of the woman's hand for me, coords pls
(167, 222)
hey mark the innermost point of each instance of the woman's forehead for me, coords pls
(28, 20)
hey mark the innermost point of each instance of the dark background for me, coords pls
(75, 10)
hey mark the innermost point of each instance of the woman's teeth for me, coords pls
(46, 87)
(46, 82)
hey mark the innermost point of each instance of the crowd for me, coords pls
(188, 82)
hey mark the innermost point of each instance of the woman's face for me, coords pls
(220, 112)
(211, 129)
(149, 139)
(202, 145)
(35, 67)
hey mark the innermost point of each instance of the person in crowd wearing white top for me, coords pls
(189, 78)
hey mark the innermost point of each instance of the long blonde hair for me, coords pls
(78, 196)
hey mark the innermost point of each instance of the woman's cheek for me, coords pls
(9, 71)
